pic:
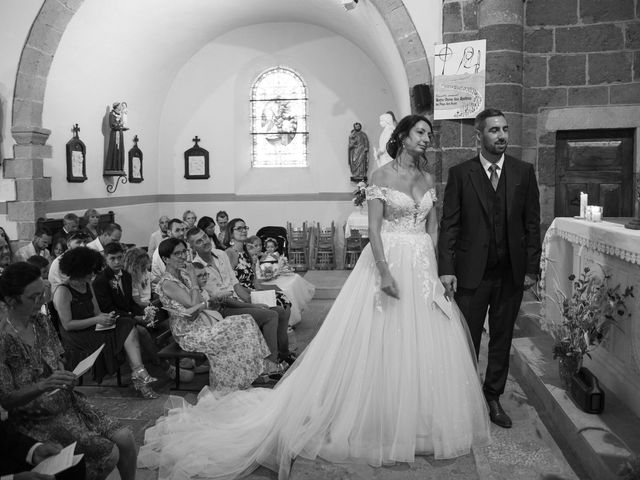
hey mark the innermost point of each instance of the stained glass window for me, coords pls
(279, 119)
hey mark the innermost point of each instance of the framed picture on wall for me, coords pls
(196, 162)
(76, 158)
(135, 162)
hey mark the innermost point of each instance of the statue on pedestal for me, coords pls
(388, 123)
(114, 163)
(358, 153)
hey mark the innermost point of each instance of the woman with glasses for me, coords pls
(234, 345)
(241, 262)
(38, 392)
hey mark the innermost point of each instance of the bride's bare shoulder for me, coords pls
(381, 176)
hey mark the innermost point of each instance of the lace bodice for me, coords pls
(401, 213)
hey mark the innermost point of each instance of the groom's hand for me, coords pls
(530, 280)
(450, 283)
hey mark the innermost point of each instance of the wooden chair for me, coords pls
(298, 247)
(173, 352)
(325, 250)
(353, 246)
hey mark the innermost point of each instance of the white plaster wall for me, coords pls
(210, 98)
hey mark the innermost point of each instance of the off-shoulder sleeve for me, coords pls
(374, 191)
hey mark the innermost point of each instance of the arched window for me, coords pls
(279, 119)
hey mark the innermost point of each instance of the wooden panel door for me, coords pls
(598, 162)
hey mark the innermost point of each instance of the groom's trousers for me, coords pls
(499, 294)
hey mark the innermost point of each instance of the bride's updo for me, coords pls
(394, 145)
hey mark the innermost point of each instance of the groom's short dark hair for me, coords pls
(483, 115)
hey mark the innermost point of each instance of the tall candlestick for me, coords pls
(583, 204)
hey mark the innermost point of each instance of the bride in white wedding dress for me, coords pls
(390, 374)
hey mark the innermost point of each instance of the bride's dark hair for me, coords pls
(394, 145)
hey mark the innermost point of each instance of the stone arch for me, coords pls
(32, 189)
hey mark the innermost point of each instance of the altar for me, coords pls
(607, 248)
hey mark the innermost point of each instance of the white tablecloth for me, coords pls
(358, 220)
(299, 291)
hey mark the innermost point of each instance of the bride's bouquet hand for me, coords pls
(388, 285)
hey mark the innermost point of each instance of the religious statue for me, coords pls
(388, 123)
(114, 163)
(358, 153)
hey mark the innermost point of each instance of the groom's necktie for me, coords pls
(493, 169)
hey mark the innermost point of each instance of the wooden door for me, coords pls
(598, 162)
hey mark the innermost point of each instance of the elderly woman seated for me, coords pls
(38, 392)
(85, 328)
(234, 345)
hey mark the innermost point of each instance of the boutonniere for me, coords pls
(114, 283)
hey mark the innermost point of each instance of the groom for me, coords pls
(489, 246)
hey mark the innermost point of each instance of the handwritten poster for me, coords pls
(459, 79)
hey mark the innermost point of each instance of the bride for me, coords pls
(390, 374)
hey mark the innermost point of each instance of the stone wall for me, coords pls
(575, 53)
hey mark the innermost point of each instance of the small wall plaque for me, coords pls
(135, 163)
(196, 162)
(76, 158)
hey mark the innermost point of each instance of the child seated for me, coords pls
(271, 254)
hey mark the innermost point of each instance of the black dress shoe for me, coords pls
(498, 415)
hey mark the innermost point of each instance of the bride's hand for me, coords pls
(388, 285)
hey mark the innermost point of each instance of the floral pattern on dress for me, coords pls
(234, 346)
(247, 276)
(62, 417)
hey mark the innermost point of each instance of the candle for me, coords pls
(583, 204)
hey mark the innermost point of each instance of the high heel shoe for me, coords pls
(141, 375)
(144, 389)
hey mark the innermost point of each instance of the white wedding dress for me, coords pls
(382, 381)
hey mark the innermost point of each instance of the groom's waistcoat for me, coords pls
(498, 255)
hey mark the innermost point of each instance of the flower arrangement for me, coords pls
(268, 270)
(587, 314)
(359, 194)
(149, 318)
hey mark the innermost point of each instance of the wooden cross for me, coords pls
(76, 129)
(196, 139)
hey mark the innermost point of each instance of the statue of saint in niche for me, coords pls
(358, 153)
(114, 163)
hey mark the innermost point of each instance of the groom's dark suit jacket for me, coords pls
(463, 245)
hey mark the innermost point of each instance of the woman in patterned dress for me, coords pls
(37, 391)
(234, 345)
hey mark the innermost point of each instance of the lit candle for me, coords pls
(583, 204)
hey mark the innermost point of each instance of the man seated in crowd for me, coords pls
(70, 223)
(156, 237)
(111, 233)
(114, 293)
(74, 240)
(5, 254)
(223, 287)
(176, 230)
(222, 219)
(38, 246)
(19, 453)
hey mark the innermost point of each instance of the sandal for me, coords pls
(145, 390)
(141, 375)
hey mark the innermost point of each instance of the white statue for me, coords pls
(388, 123)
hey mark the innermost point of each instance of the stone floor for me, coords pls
(527, 451)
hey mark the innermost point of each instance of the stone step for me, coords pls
(600, 443)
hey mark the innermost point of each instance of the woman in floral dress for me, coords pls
(234, 345)
(37, 391)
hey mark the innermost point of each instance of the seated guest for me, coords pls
(222, 218)
(58, 248)
(85, 327)
(270, 254)
(156, 237)
(38, 246)
(111, 233)
(56, 277)
(208, 226)
(38, 392)
(43, 265)
(19, 453)
(176, 230)
(91, 223)
(5, 252)
(234, 299)
(233, 345)
(189, 218)
(70, 223)
(240, 260)
(138, 264)
(254, 247)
